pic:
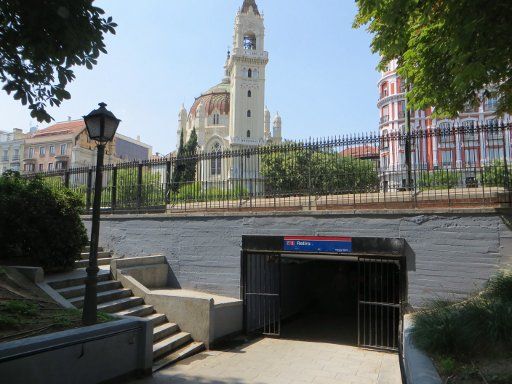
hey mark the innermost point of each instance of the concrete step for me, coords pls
(164, 330)
(138, 311)
(101, 255)
(170, 344)
(120, 304)
(103, 297)
(87, 249)
(60, 284)
(85, 263)
(79, 290)
(185, 351)
(156, 318)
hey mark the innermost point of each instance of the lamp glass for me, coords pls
(111, 125)
(93, 124)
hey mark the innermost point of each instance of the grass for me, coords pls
(22, 318)
(465, 338)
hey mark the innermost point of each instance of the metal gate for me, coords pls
(379, 302)
(261, 292)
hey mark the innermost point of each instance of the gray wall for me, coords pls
(452, 255)
(95, 354)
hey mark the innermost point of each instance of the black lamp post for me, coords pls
(101, 127)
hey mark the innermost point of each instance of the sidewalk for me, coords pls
(266, 361)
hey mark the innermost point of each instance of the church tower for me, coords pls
(246, 69)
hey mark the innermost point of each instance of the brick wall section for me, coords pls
(453, 255)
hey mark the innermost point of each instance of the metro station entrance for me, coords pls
(334, 289)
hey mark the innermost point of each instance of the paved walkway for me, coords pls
(284, 361)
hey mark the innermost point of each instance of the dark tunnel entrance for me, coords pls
(351, 298)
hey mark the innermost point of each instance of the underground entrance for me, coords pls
(328, 289)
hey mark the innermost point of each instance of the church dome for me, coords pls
(216, 98)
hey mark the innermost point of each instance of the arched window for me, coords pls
(216, 160)
(249, 93)
(248, 133)
(249, 73)
(216, 119)
(249, 113)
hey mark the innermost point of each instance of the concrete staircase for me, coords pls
(170, 344)
(103, 258)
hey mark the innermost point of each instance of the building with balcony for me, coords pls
(11, 150)
(66, 145)
(436, 144)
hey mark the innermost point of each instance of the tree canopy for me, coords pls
(453, 53)
(41, 40)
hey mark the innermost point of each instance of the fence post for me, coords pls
(66, 179)
(505, 165)
(89, 190)
(114, 189)
(139, 186)
(168, 182)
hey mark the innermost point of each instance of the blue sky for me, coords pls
(321, 76)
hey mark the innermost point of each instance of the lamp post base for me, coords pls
(90, 302)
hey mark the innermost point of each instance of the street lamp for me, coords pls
(101, 126)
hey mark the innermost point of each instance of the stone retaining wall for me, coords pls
(452, 254)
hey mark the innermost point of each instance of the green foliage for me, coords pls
(300, 170)
(449, 51)
(186, 162)
(197, 191)
(447, 365)
(189, 173)
(440, 179)
(39, 45)
(40, 224)
(476, 327)
(493, 175)
(152, 188)
(12, 312)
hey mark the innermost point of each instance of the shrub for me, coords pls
(475, 327)
(493, 175)
(197, 191)
(317, 171)
(40, 225)
(440, 179)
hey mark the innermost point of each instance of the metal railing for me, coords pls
(349, 172)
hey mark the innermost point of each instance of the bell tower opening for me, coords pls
(250, 41)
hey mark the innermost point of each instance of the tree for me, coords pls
(450, 51)
(189, 173)
(308, 170)
(179, 167)
(127, 188)
(40, 41)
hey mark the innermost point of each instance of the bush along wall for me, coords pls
(39, 225)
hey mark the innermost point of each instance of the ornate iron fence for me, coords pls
(463, 165)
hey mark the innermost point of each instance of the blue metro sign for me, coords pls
(331, 244)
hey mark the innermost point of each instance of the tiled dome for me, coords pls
(216, 98)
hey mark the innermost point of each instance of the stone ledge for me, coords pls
(345, 213)
(418, 367)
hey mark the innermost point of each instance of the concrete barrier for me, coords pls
(103, 352)
(206, 317)
(418, 367)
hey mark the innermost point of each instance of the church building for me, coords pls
(232, 114)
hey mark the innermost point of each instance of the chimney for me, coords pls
(69, 118)
(138, 137)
